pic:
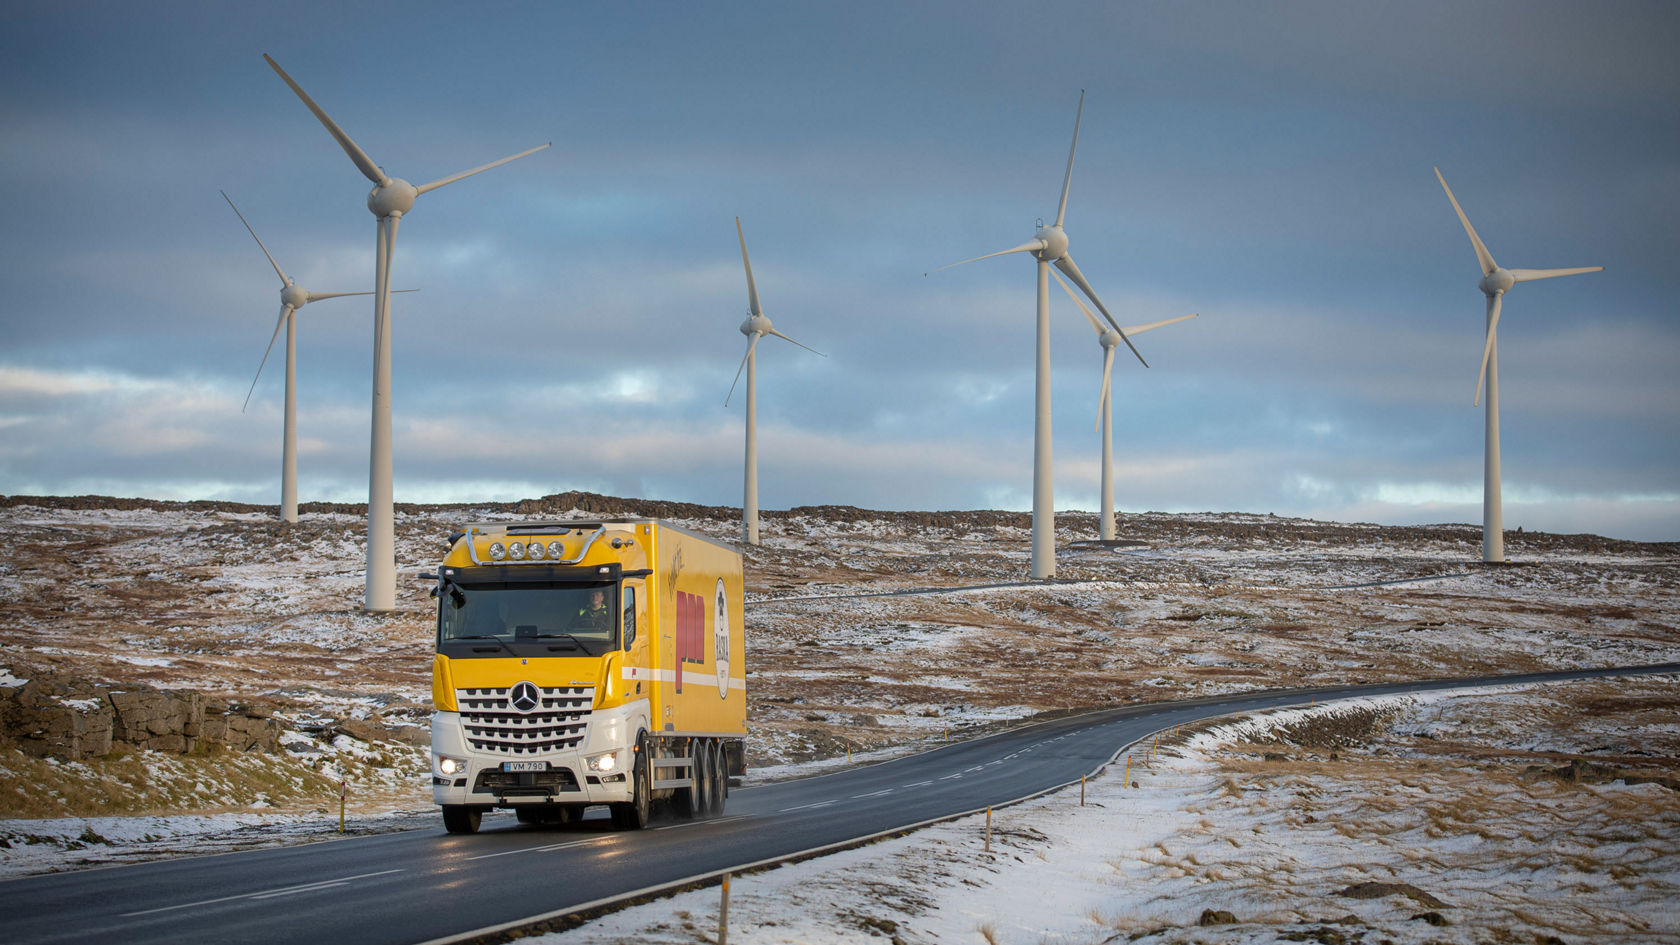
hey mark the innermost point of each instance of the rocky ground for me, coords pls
(867, 631)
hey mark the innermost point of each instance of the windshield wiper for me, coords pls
(576, 643)
(485, 636)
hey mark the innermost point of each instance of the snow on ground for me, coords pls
(226, 600)
(1214, 846)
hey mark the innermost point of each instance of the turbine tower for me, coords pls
(1496, 281)
(292, 298)
(1050, 245)
(390, 199)
(1109, 339)
(755, 327)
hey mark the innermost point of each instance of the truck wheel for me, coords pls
(459, 818)
(718, 767)
(633, 815)
(703, 799)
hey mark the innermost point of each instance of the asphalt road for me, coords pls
(426, 885)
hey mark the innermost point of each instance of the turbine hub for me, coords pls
(1110, 338)
(1056, 243)
(393, 197)
(1497, 281)
(756, 325)
(293, 295)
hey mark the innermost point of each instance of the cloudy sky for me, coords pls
(1267, 165)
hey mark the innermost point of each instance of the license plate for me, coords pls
(511, 766)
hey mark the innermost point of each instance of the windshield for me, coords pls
(527, 619)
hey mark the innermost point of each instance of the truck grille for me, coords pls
(493, 725)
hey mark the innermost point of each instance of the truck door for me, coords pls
(636, 636)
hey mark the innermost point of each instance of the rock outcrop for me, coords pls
(73, 719)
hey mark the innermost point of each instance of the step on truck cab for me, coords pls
(586, 662)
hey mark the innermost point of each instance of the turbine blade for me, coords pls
(1493, 305)
(285, 313)
(1067, 180)
(1066, 265)
(318, 296)
(1095, 326)
(806, 347)
(752, 288)
(1529, 275)
(1482, 255)
(1140, 329)
(744, 359)
(364, 163)
(1032, 246)
(283, 280)
(1102, 398)
(434, 185)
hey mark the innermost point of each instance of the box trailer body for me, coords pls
(586, 662)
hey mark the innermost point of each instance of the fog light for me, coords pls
(497, 552)
(556, 550)
(536, 551)
(516, 550)
(448, 765)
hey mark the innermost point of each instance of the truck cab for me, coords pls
(558, 678)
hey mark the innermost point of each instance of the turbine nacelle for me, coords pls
(1109, 337)
(757, 325)
(1055, 243)
(1497, 282)
(392, 197)
(294, 295)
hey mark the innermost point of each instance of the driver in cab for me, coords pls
(594, 617)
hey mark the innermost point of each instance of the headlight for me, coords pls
(556, 550)
(449, 765)
(497, 552)
(536, 551)
(516, 550)
(604, 763)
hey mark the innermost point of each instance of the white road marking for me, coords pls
(805, 807)
(919, 784)
(552, 846)
(950, 776)
(267, 893)
(876, 794)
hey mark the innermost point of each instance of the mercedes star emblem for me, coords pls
(525, 696)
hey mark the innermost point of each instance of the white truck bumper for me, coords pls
(580, 776)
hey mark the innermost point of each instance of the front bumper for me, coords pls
(479, 778)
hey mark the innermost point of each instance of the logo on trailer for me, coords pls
(525, 696)
(720, 638)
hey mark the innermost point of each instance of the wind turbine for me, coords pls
(1050, 245)
(1495, 282)
(755, 327)
(292, 298)
(1109, 339)
(390, 198)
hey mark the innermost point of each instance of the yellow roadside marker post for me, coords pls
(723, 913)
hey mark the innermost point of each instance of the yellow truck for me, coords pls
(586, 662)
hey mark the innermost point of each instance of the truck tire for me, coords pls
(703, 784)
(633, 815)
(717, 766)
(459, 818)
